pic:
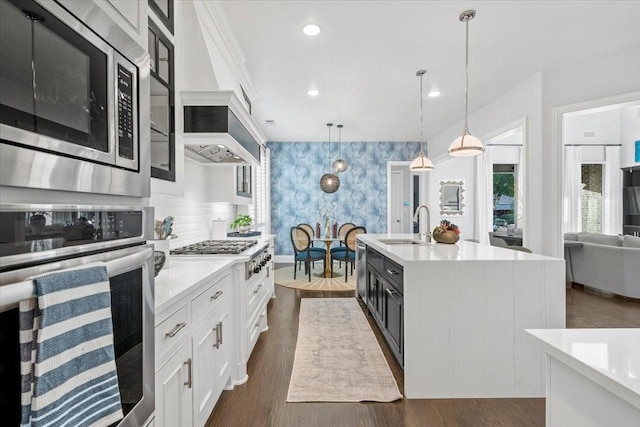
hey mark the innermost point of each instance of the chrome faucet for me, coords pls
(423, 235)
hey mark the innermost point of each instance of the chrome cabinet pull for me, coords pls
(217, 329)
(391, 292)
(188, 383)
(216, 295)
(392, 272)
(175, 330)
(258, 290)
(220, 328)
(259, 317)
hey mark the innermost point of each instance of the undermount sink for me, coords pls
(403, 242)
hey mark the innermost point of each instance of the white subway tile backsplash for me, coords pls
(192, 214)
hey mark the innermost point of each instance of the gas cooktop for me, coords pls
(215, 247)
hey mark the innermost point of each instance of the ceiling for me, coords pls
(364, 61)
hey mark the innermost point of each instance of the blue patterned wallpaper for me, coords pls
(296, 197)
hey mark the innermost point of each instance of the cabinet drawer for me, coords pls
(207, 301)
(171, 331)
(255, 296)
(394, 273)
(255, 326)
(375, 259)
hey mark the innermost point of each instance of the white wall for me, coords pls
(454, 169)
(605, 125)
(535, 98)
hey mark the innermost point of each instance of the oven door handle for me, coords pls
(13, 293)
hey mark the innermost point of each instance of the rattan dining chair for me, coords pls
(342, 232)
(309, 229)
(348, 256)
(301, 241)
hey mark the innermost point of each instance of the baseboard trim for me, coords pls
(283, 259)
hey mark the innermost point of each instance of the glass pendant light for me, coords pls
(340, 165)
(422, 162)
(329, 182)
(466, 144)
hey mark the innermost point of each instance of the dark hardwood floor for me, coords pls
(261, 401)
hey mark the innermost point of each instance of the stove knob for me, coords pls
(263, 263)
(257, 269)
(268, 257)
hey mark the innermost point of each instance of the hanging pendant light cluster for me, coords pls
(340, 165)
(329, 182)
(422, 162)
(466, 144)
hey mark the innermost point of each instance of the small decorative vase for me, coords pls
(448, 236)
(244, 228)
(37, 223)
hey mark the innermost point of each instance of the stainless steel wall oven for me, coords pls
(35, 240)
(71, 104)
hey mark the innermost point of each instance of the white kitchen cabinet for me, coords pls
(130, 16)
(211, 361)
(195, 351)
(257, 296)
(173, 390)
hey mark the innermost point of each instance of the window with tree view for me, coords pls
(504, 197)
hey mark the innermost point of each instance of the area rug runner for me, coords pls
(337, 357)
(284, 277)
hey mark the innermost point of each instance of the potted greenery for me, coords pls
(242, 223)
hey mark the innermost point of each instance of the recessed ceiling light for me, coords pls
(434, 94)
(311, 29)
(313, 92)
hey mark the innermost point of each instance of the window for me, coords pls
(591, 198)
(258, 210)
(504, 196)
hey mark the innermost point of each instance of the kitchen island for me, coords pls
(593, 376)
(463, 309)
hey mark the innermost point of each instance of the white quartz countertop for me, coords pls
(184, 273)
(609, 357)
(460, 251)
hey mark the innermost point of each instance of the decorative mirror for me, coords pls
(451, 197)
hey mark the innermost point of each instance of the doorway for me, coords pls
(558, 211)
(597, 143)
(403, 197)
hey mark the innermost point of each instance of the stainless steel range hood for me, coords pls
(218, 129)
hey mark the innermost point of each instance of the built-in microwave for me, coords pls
(69, 102)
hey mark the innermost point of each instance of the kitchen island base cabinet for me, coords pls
(591, 376)
(575, 400)
(385, 300)
(454, 314)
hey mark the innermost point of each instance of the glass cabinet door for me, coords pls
(162, 106)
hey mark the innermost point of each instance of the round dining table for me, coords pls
(328, 241)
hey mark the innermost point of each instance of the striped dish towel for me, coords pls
(66, 349)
